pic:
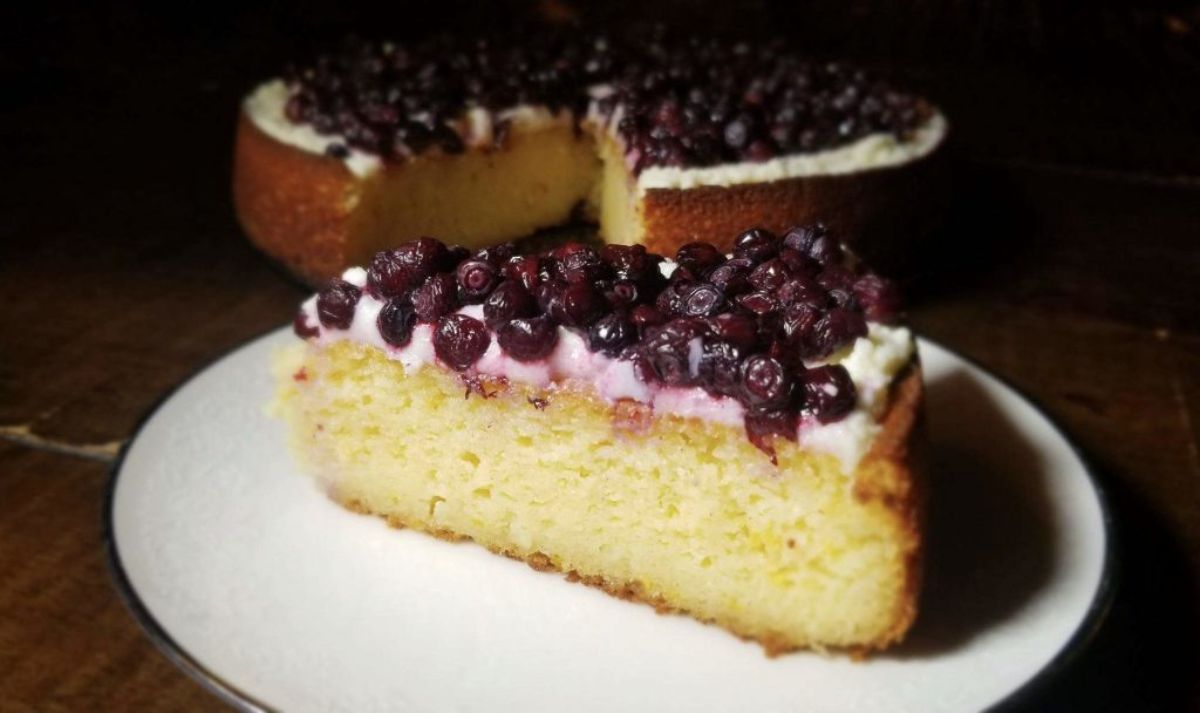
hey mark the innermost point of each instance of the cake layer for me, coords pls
(682, 513)
(316, 215)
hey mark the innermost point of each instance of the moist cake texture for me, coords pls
(734, 436)
(661, 141)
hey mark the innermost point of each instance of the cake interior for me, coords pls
(537, 179)
(680, 513)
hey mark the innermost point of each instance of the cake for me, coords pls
(735, 437)
(661, 142)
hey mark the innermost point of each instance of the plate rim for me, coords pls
(1089, 626)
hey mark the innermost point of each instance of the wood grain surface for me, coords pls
(1070, 266)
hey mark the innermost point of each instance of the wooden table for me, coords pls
(1070, 266)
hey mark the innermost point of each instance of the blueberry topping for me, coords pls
(460, 340)
(396, 321)
(829, 393)
(507, 302)
(476, 279)
(335, 304)
(528, 339)
(436, 298)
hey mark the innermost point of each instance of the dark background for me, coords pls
(1069, 265)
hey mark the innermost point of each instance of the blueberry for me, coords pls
(460, 340)
(396, 321)
(335, 304)
(528, 339)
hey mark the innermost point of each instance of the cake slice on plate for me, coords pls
(661, 141)
(729, 436)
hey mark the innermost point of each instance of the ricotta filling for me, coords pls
(872, 361)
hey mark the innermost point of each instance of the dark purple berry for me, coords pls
(528, 339)
(801, 237)
(826, 251)
(630, 262)
(460, 340)
(644, 316)
(762, 425)
(436, 298)
(611, 333)
(476, 279)
(829, 393)
(799, 264)
(699, 258)
(523, 269)
(836, 277)
(578, 305)
(394, 272)
(673, 352)
(622, 294)
(797, 326)
(508, 301)
(582, 265)
(671, 300)
(758, 303)
(880, 298)
(756, 244)
(738, 329)
(732, 278)
(769, 275)
(702, 300)
(801, 290)
(335, 304)
(835, 330)
(765, 383)
(396, 321)
(302, 328)
(720, 368)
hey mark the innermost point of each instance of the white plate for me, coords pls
(265, 591)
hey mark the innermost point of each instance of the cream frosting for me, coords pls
(872, 361)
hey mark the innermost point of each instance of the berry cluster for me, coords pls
(704, 102)
(696, 102)
(745, 326)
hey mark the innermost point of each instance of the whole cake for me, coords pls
(663, 142)
(731, 436)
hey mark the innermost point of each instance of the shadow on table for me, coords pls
(992, 540)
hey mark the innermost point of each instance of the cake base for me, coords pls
(684, 515)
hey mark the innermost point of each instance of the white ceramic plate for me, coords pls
(274, 597)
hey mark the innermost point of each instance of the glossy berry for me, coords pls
(335, 304)
(732, 278)
(769, 275)
(702, 300)
(524, 270)
(756, 244)
(394, 272)
(476, 279)
(507, 302)
(720, 368)
(880, 298)
(737, 329)
(761, 426)
(829, 393)
(801, 237)
(396, 321)
(578, 305)
(629, 262)
(765, 383)
(436, 298)
(758, 303)
(699, 257)
(582, 265)
(622, 294)
(801, 290)
(644, 316)
(528, 339)
(460, 340)
(838, 328)
(673, 351)
(611, 334)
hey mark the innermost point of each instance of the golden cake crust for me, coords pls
(295, 206)
(891, 477)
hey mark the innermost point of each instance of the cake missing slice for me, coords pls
(731, 438)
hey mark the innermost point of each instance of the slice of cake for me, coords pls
(662, 142)
(729, 436)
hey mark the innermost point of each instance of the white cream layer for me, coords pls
(873, 362)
